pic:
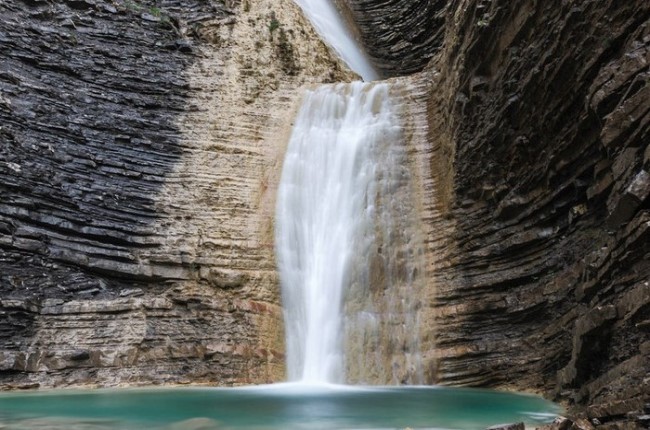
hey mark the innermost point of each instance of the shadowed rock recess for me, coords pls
(536, 212)
(400, 36)
(138, 142)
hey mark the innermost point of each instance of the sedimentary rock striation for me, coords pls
(140, 144)
(401, 37)
(536, 209)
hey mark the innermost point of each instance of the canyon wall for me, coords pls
(536, 211)
(140, 149)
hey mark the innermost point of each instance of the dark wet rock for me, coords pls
(514, 426)
(559, 423)
(633, 197)
(73, 78)
(401, 37)
(81, 158)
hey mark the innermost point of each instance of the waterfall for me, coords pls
(344, 238)
(327, 20)
(325, 217)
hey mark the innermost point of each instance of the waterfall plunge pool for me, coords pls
(279, 406)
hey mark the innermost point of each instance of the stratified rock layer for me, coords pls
(140, 151)
(536, 211)
(140, 147)
(401, 37)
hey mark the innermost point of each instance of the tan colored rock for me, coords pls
(559, 423)
(582, 424)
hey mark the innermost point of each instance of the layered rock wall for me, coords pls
(538, 131)
(140, 146)
(401, 37)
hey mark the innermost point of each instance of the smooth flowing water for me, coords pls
(345, 242)
(282, 406)
(331, 26)
(325, 218)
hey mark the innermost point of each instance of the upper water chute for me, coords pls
(331, 26)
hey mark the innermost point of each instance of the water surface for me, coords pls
(282, 406)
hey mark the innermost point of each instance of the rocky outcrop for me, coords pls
(536, 211)
(140, 144)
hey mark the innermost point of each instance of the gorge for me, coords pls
(140, 157)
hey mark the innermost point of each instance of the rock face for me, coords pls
(536, 209)
(401, 37)
(140, 144)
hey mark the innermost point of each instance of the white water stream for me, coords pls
(342, 161)
(325, 217)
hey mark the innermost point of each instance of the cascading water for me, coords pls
(343, 159)
(325, 217)
(349, 258)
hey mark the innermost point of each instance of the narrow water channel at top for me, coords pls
(331, 26)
